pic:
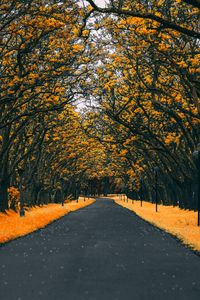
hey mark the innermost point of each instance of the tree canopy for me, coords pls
(134, 65)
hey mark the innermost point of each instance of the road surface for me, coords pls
(101, 252)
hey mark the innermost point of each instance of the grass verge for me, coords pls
(178, 222)
(12, 226)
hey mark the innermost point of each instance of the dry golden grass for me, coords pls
(12, 226)
(179, 222)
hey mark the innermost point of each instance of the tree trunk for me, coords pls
(3, 195)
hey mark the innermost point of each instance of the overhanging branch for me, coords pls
(165, 23)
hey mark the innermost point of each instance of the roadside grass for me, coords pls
(13, 226)
(179, 222)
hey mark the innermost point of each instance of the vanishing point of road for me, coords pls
(101, 252)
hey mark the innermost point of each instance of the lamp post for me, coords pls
(62, 190)
(141, 191)
(196, 156)
(156, 187)
(21, 211)
(77, 193)
(133, 195)
(84, 192)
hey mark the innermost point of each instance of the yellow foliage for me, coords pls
(77, 47)
(179, 222)
(14, 192)
(182, 64)
(13, 226)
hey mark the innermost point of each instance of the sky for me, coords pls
(100, 2)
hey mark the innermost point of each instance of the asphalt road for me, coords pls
(101, 252)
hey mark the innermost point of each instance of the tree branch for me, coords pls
(165, 23)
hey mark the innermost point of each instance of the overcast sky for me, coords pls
(100, 2)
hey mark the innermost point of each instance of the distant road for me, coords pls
(101, 252)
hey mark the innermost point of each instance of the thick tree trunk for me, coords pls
(3, 195)
(57, 196)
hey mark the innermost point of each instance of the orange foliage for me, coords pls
(179, 222)
(14, 197)
(12, 226)
(14, 192)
